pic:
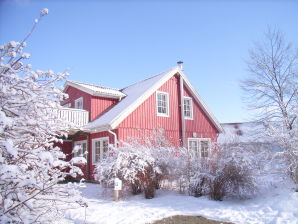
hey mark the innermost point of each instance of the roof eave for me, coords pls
(108, 95)
(116, 121)
(91, 92)
(105, 127)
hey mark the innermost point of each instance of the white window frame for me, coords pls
(68, 105)
(101, 148)
(191, 108)
(199, 150)
(167, 114)
(81, 100)
(76, 154)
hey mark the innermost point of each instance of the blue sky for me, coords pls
(116, 43)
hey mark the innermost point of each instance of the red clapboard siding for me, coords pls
(99, 105)
(66, 148)
(74, 94)
(200, 124)
(94, 104)
(144, 120)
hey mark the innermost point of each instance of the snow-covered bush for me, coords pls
(238, 166)
(230, 171)
(200, 184)
(30, 165)
(170, 163)
(133, 164)
(234, 180)
(287, 140)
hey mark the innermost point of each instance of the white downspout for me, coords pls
(182, 111)
(115, 138)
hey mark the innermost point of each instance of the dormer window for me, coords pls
(162, 104)
(188, 109)
(79, 103)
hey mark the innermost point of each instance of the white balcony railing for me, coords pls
(76, 116)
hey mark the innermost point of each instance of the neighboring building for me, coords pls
(245, 133)
(111, 116)
(242, 132)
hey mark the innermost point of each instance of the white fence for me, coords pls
(76, 116)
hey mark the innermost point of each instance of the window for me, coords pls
(162, 104)
(68, 105)
(188, 112)
(200, 145)
(79, 103)
(194, 146)
(82, 151)
(100, 147)
(204, 146)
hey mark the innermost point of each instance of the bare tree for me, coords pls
(271, 88)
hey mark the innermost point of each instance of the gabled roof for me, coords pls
(136, 94)
(95, 90)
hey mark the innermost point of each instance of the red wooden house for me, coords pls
(166, 102)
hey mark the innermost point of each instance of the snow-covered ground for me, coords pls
(277, 206)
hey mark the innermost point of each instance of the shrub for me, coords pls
(200, 184)
(149, 183)
(133, 164)
(232, 180)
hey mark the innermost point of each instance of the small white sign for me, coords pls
(117, 184)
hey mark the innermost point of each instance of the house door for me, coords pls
(100, 147)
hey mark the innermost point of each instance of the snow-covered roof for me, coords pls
(245, 132)
(136, 94)
(95, 90)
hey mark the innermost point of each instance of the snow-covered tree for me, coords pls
(272, 91)
(31, 166)
(133, 164)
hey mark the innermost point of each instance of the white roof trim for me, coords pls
(201, 103)
(99, 129)
(113, 124)
(102, 91)
(142, 98)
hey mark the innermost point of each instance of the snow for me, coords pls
(133, 93)
(245, 132)
(26, 55)
(96, 90)
(43, 12)
(278, 205)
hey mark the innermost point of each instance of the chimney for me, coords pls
(180, 64)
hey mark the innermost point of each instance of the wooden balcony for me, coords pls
(76, 116)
